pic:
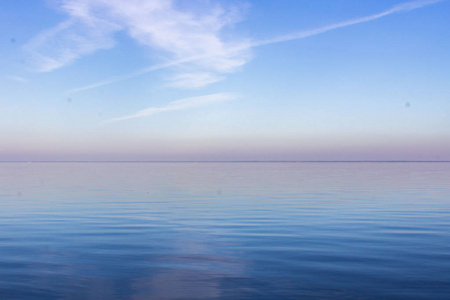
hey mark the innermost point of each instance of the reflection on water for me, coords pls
(224, 230)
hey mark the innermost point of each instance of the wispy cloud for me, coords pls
(71, 39)
(195, 79)
(158, 24)
(241, 50)
(17, 78)
(177, 105)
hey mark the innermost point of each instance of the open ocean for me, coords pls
(225, 230)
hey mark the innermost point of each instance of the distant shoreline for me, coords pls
(227, 161)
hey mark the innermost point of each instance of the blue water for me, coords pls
(224, 230)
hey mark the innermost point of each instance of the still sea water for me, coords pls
(224, 230)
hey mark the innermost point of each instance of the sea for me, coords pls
(225, 230)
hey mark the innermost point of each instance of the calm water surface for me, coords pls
(224, 230)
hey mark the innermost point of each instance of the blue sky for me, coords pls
(225, 80)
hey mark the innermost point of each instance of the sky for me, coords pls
(205, 80)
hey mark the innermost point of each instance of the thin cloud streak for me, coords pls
(17, 78)
(176, 105)
(133, 74)
(304, 34)
(408, 6)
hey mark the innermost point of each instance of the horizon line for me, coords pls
(224, 161)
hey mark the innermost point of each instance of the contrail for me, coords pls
(407, 6)
(176, 105)
(304, 34)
